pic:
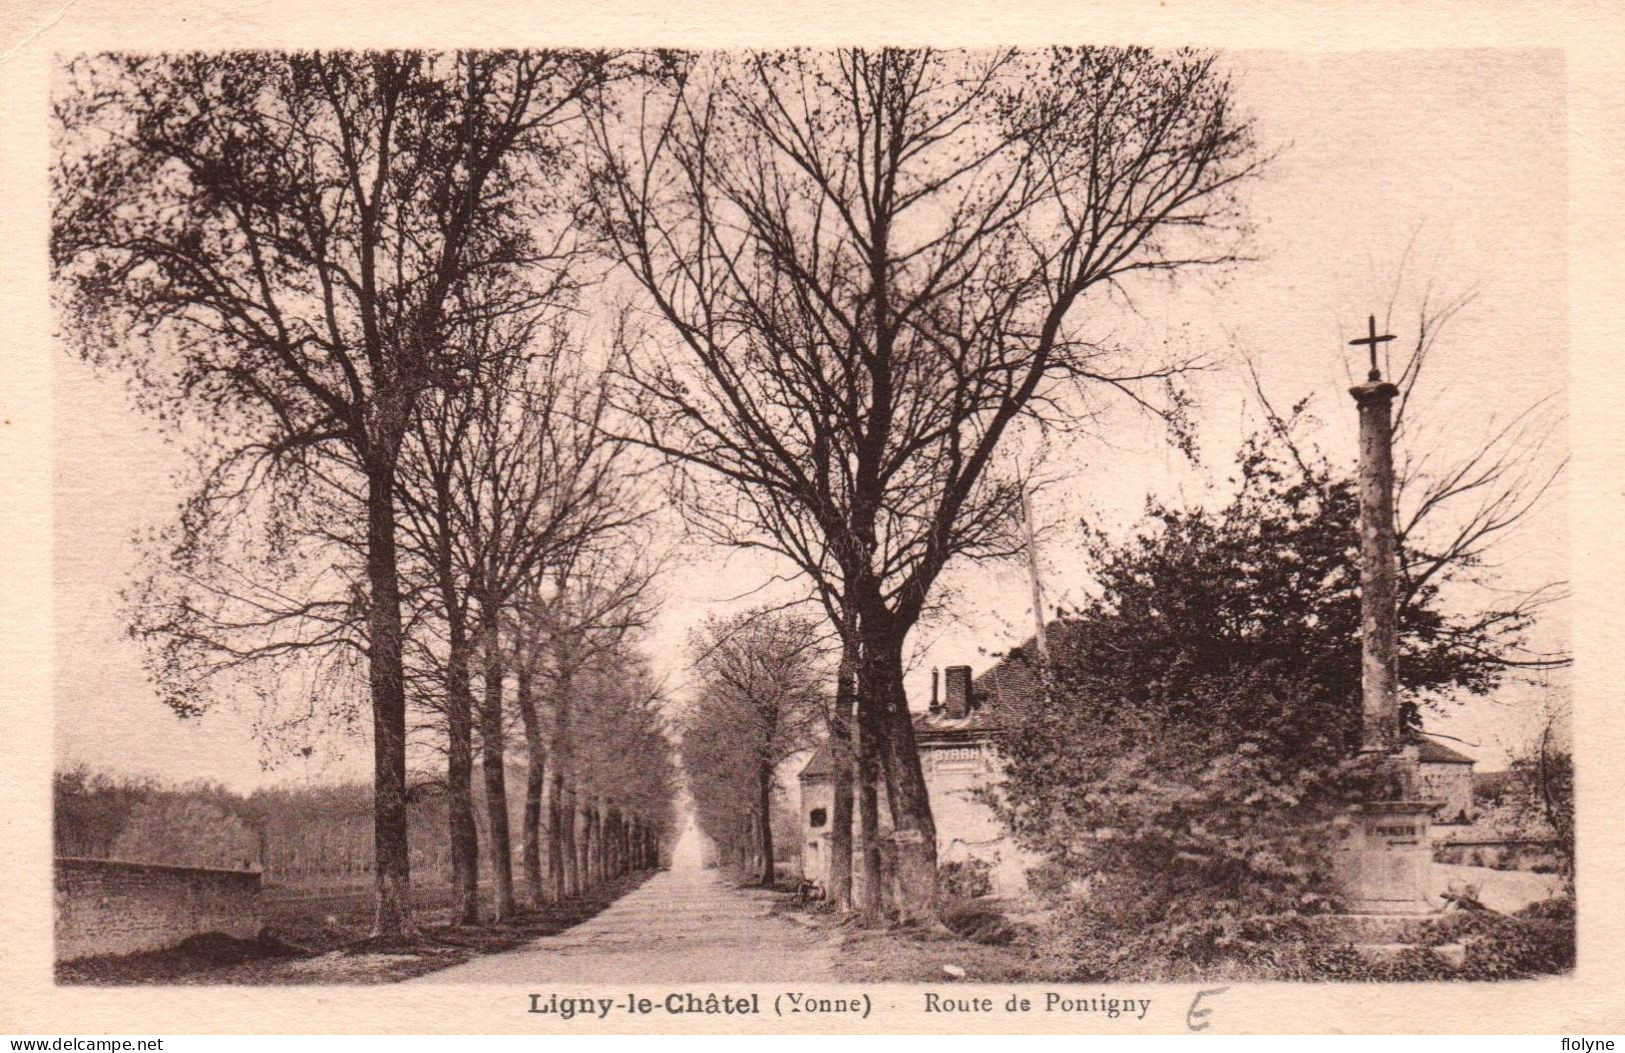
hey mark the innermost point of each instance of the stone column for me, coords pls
(1385, 858)
(1379, 570)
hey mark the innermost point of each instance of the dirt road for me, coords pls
(682, 925)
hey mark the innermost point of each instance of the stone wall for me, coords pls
(108, 907)
(967, 829)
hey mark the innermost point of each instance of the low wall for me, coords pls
(1517, 854)
(108, 907)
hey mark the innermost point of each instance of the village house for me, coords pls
(956, 738)
(1447, 777)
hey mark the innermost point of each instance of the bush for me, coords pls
(1510, 948)
(980, 922)
(1558, 908)
(965, 879)
(1195, 743)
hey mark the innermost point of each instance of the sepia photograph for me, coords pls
(877, 514)
(867, 525)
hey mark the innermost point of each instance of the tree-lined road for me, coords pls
(686, 925)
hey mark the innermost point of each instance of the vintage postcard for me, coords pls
(552, 520)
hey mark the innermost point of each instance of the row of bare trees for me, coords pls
(760, 699)
(349, 285)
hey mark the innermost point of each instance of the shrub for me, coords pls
(976, 921)
(965, 879)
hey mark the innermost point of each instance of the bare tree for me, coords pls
(759, 697)
(1458, 495)
(516, 476)
(624, 765)
(1454, 509)
(869, 264)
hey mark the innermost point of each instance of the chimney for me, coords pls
(1379, 565)
(956, 691)
(936, 702)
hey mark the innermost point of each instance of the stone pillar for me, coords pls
(1385, 857)
(1379, 570)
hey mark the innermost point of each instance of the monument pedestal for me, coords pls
(1385, 857)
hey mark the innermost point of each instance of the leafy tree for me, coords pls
(90, 808)
(1201, 717)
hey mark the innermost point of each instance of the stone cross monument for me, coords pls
(1386, 856)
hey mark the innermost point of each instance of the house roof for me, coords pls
(1432, 751)
(820, 764)
(999, 691)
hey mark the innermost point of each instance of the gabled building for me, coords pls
(956, 739)
(1446, 776)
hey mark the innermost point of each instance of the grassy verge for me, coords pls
(323, 939)
(980, 944)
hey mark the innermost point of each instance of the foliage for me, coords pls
(90, 808)
(1198, 731)
(312, 835)
(1292, 947)
(965, 878)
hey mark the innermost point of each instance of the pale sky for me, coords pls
(1452, 161)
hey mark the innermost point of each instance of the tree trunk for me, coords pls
(844, 771)
(561, 808)
(595, 845)
(556, 848)
(465, 839)
(764, 801)
(392, 874)
(584, 863)
(623, 844)
(871, 905)
(914, 836)
(535, 782)
(494, 757)
(569, 816)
